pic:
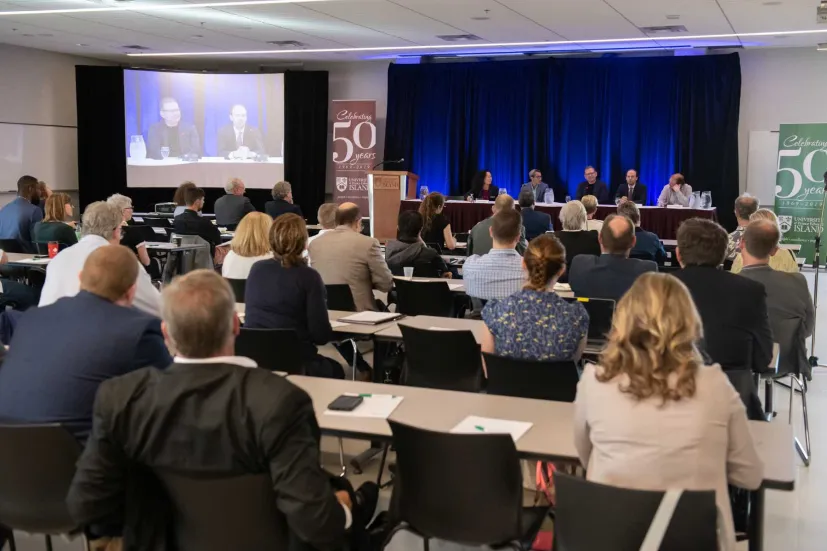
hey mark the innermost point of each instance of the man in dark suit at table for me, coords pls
(647, 244)
(180, 137)
(535, 223)
(537, 186)
(733, 309)
(237, 140)
(61, 353)
(632, 189)
(612, 273)
(593, 186)
(282, 202)
(190, 222)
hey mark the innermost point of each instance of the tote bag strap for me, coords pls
(661, 520)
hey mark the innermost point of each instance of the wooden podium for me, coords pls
(386, 190)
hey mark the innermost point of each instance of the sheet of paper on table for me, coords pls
(562, 287)
(34, 261)
(373, 406)
(453, 286)
(370, 318)
(334, 324)
(487, 425)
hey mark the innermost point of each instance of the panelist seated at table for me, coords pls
(498, 273)
(648, 246)
(436, 229)
(482, 187)
(479, 238)
(537, 187)
(663, 421)
(209, 412)
(676, 192)
(237, 140)
(190, 222)
(408, 250)
(574, 237)
(176, 137)
(534, 323)
(593, 186)
(632, 189)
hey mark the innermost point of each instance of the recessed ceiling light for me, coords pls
(480, 18)
(82, 45)
(159, 7)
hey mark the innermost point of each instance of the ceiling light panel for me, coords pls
(147, 7)
(698, 16)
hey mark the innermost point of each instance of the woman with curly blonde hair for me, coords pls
(251, 243)
(652, 416)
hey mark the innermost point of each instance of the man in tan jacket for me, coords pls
(344, 255)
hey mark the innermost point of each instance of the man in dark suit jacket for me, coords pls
(535, 223)
(18, 218)
(209, 412)
(190, 222)
(282, 202)
(733, 309)
(632, 190)
(593, 186)
(537, 186)
(612, 273)
(237, 140)
(61, 353)
(180, 137)
(230, 209)
(647, 245)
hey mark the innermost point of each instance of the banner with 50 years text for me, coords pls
(354, 149)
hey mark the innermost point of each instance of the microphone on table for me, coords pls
(389, 162)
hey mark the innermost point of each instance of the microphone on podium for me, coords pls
(388, 162)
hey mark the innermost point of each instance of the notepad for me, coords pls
(454, 286)
(370, 318)
(675, 206)
(34, 261)
(161, 231)
(487, 425)
(334, 324)
(374, 406)
(138, 219)
(562, 287)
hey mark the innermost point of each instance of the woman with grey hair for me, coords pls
(130, 239)
(574, 237)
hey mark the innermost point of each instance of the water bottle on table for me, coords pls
(706, 200)
(137, 147)
(548, 197)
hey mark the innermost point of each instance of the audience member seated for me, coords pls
(647, 244)
(733, 309)
(190, 222)
(535, 222)
(346, 256)
(676, 192)
(479, 239)
(129, 239)
(500, 272)
(180, 197)
(745, 206)
(534, 323)
(101, 226)
(574, 237)
(652, 416)
(783, 261)
(612, 273)
(327, 220)
(54, 226)
(43, 194)
(208, 413)
(590, 204)
(282, 202)
(61, 353)
(435, 226)
(230, 209)
(408, 250)
(18, 218)
(789, 303)
(250, 244)
(284, 293)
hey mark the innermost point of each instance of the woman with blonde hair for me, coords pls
(250, 244)
(54, 226)
(652, 416)
(435, 226)
(535, 323)
(782, 261)
(283, 292)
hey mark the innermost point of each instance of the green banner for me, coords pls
(799, 185)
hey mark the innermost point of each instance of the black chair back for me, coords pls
(601, 311)
(625, 516)
(143, 232)
(12, 246)
(531, 379)
(273, 349)
(157, 222)
(448, 360)
(340, 297)
(463, 488)
(435, 246)
(216, 514)
(642, 255)
(238, 286)
(423, 298)
(37, 464)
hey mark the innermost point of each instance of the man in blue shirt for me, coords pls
(647, 244)
(17, 219)
(499, 273)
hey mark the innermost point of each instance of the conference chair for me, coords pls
(447, 360)
(340, 297)
(476, 481)
(600, 311)
(424, 298)
(596, 516)
(787, 333)
(640, 255)
(273, 349)
(12, 246)
(238, 285)
(37, 464)
(217, 514)
(546, 380)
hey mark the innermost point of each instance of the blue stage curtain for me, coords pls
(659, 115)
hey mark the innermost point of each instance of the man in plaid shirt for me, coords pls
(499, 273)
(745, 206)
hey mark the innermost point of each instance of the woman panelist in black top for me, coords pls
(285, 293)
(482, 188)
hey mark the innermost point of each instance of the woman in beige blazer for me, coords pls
(652, 416)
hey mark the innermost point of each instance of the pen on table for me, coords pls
(479, 428)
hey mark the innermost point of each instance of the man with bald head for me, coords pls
(62, 352)
(789, 303)
(611, 274)
(479, 239)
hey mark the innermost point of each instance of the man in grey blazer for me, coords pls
(612, 273)
(789, 303)
(230, 209)
(537, 186)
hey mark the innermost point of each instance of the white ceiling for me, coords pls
(329, 24)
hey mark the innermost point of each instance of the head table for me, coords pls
(662, 221)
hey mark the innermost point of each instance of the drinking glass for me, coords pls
(617, 200)
(164, 152)
(471, 197)
(695, 200)
(502, 191)
(568, 198)
(548, 197)
(706, 200)
(423, 192)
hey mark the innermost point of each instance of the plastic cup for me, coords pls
(408, 271)
(54, 247)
